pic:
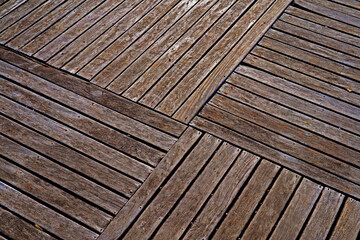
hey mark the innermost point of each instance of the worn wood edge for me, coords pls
(142, 196)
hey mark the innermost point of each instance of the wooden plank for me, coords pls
(311, 58)
(320, 31)
(182, 46)
(334, 55)
(316, 97)
(285, 129)
(95, 31)
(300, 105)
(195, 197)
(324, 21)
(336, 7)
(289, 115)
(323, 216)
(74, 139)
(9, 6)
(95, 94)
(298, 210)
(78, 121)
(19, 13)
(245, 204)
(88, 107)
(193, 79)
(145, 10)
(57, 172)
(301, 32)
(136, 204)
(60, 26)
(39, 214)
(174, 188)
(288, 161)
(41, 25)
(270, 210)
(16, 228)
(283, 144)
(348, 225)
(324, 10)
(288, 64)
(59, 199)
(125, 50)
(160, 45)
(208, 87)
(216, 207)
(185, 63)
(350, 3)
(76, 31)
(28, 20)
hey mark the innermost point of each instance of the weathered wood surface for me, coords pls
(277, 155)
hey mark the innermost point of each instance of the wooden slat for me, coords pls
(206, 89)
(336, 7)
(301, 105)
(323, 33)
(310, 58)
(293, 117)
(325, 21)
(70, 137)
(183, 45)
(197, 74)
(348, 225)
(18, 13)
(95, 93)
(174, 188)
(350, 3)
(288, 161)
(114, 18)
(88, 107)
(293, 70)
(29, 19)
(55, 172)
(319, 8)
(298, 210)
(16, 228)
(79, 122)
(146, 10)
(41, 25)
(195, 197)
(58, 27)
(211, 214)
(115, 59)
(296, 89)
(9, 6)
(323, 216)
(283, 144)
(174, 74)
(263, 221)
(58, 198)
(288, 130)
(79, 28)
(143, 195)
(246, 203)
(315, 48)
(41, 215)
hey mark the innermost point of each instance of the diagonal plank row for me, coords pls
(295, 97)
(168, 55)
(228, 194)
(68, 158)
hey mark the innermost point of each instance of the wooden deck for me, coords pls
(179, 119)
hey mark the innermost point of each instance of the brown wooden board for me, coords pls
(136, 204)
(216, 207)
